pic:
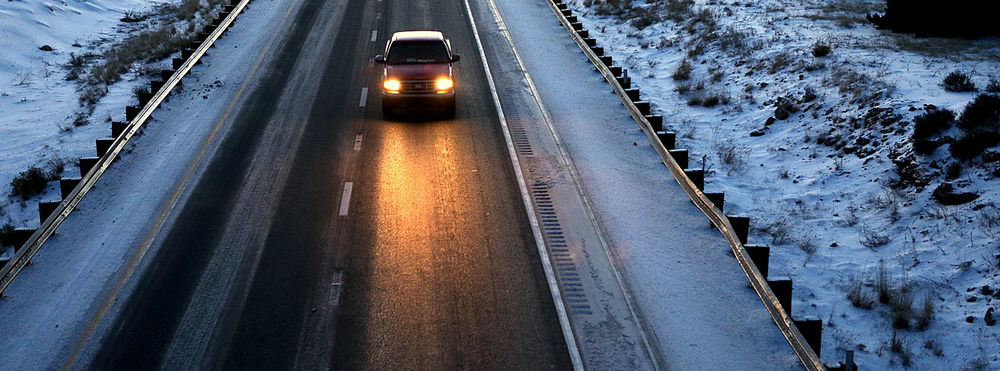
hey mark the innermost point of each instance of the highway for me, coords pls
(322, 237)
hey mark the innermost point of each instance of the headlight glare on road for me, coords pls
(391, 85)
(444, 84)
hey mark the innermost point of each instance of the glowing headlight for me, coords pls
(391, 85)
(444, 84)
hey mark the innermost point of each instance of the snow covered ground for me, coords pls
(37, 103)
(829, 212)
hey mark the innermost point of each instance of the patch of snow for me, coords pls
(816, 205)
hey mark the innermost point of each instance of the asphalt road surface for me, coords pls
(321, 236)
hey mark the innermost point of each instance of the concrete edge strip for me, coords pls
(784, 322)
(69, 203)
(567, 330)
(651, 347)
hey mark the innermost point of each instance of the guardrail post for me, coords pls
(103, 145)
(186, 53)
(633, 94)
(567, 12)
(591, 42)
(562, 7)
(156, 85)
(643, 107)
(667, 138)
(66, 186)
(144, 97)
(178, 62)
(45, 208)
(615, 70)
(656, 121)
(606, 59)
(571, 19)
(131, 112)
(625, 83)
(811, 329)
(741, 226)
(759, 254)
(576, 26)
(717, 198)
(117, 128)
(598, 51)
(782, 288)
(697, 177)
(584, 34)
(21, 235)
(681, 156)
(87, 163)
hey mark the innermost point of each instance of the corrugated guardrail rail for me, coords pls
(781, 318)
(214, 30)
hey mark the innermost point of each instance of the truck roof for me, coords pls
(417, 35)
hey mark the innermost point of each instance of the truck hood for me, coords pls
(429, 71)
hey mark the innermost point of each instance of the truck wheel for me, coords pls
(449, 110)
(386, 111)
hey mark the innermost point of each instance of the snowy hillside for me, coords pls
(68, 69)
(39, 100)
(803, 114)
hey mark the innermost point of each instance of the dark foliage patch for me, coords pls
(29, 183)
(931, 122)
(932, 18)
(958, 82)
(7, 235)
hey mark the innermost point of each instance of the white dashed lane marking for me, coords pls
(345, 201)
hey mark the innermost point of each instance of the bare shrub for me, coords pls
(678, 10)
(882, 284)
(934, 347)
(872, 238)
(779, 231)
(989, 221)
(732, 40)
(901, 307)
(958, 81)
(778, 62)
(858, 296)
(732, 156)
(29, 183)
(683, 71)
(980, 125)
(926, 314)
(132, 16)
(993, 86)
(77, 60)
(683, 88)
(54, 167)
(932, 122)
(820, 50)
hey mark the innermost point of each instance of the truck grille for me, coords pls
(426, 86)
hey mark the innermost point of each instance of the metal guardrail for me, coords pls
(69, 203)
(806, 355)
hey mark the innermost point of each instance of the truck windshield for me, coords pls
(417, 52)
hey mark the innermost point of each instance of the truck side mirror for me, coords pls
(379, 59)
(455, 57)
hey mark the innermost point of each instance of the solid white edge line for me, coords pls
(345, 200)
(567, 329)
(374, 34)
(364, 97)
(571, 167)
